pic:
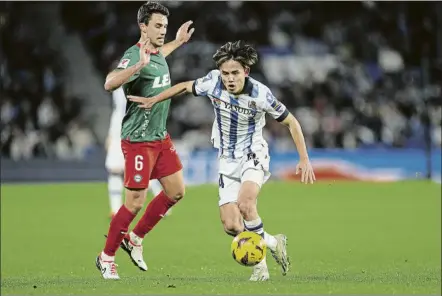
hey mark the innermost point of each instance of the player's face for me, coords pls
(156, 29)
(233, 75)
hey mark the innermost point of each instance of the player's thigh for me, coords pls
(168, 170)
(114, 158)
(139, 161)
(228, 190)
(251, 182)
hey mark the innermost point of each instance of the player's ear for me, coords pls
(247, 70)
(143, 27)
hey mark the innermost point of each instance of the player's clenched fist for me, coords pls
(145, 103)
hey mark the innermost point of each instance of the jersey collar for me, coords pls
(248, 87)
(152, 52)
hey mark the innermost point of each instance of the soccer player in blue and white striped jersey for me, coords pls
(240, 104)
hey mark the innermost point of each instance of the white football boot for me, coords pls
(280, 254)
(135, 253)
(108, 269)
(260, 272)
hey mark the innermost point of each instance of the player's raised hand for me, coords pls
(305, 168)
(145, 103)
(145, 52)
(183, 34)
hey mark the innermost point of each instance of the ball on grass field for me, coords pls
(248, 248)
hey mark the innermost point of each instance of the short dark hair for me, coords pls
(238, 51)
(147, 9)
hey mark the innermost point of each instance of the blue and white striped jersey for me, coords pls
(239, 119)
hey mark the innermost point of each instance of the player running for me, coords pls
(148, 150)
(240, 104)
(115, 158)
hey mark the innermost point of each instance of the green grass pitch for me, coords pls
(347, 238)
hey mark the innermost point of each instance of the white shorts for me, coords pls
(233, 172)
(115, 157)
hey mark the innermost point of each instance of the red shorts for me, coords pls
(144, 161)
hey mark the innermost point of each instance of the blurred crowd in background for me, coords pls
(355, 74)
(37, 119)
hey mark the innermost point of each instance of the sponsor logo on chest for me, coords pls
(161, 81)
(218, 103)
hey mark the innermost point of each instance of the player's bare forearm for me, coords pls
(298, 137)
(117, 78)
(177, 89)
(168, 48)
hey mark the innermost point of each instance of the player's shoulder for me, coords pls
(262, 91)
(134, 49)
(210, 78)
(213, 74)
(130, 56)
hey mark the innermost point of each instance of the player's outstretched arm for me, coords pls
(118, 77)
(304, 166)
(182, 36)
(147, 103)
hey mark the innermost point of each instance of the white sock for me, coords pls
(263, 263)
(105, 257)
(258, 227)
(255, 226)
(115, 188)
(271, 241)
(135, 238)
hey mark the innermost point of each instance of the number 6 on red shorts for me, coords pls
(139, 162)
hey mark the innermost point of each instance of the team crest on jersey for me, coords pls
(123, 64)
(252, 105)
(274, 103)
(217, 101)
(138, 178)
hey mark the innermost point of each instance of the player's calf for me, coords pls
(233, 228)
(231, 219)
(252, 222)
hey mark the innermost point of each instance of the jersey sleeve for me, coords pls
(129, 59)
(202, 86)
(275, 108)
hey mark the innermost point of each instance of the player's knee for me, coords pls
(135, 200)
(233, 228)
(247, 206)
(177, 194)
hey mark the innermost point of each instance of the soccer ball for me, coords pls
(248, 248)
